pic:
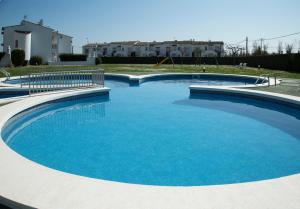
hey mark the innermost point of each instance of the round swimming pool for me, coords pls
(156, 134)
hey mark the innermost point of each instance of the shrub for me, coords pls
(98, 61)
(72, 57)
(36, 60)
(18, 57)
(2, 55)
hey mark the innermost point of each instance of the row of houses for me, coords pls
(36, 40)
(190, 48)
(39, 40)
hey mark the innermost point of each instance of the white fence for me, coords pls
(52, 81)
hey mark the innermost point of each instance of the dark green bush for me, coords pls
(1, 55)
(98, 61)
(72, 57)
(36, 60)
(18, 57)
(289, 62)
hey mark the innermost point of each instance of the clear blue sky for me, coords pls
(147, 20)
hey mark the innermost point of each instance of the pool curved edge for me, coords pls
(263, 95)
(26, 184)
(139, 79)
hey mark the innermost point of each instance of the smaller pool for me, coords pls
(196, 79)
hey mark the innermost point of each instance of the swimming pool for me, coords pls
(192, 78)
(156, 134)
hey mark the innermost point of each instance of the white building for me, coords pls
(161, 49)
(36, 40)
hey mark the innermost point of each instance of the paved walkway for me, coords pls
(287, 86)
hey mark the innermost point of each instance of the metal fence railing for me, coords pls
(52, 81)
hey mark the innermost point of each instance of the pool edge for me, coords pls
(48, 188)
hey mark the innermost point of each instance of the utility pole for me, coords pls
(246, 45)
(261, 43)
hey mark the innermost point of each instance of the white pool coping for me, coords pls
(24, 182)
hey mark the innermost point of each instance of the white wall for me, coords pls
(41, 40)
(149, 49)
(64, 44)
(40, 36)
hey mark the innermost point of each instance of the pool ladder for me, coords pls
(263, 78)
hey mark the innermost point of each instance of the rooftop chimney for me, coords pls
(41, 22)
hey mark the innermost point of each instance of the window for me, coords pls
(104, 51)
(16, 44)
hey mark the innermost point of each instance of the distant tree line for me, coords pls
(263, 49)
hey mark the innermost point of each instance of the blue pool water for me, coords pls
(156, 134)
(9, 95)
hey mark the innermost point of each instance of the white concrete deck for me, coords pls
(28, 183)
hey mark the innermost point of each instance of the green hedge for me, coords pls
(36, 60)
(18, 57)
(2, 55)
(289, 62)
(72, 57)
(98, 61)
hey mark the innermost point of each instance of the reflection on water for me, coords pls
(205, 82)
(76, 109)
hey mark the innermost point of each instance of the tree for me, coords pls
(280, 48)
(234, 50)
(289, 48)
(256, 49)
(265, 49)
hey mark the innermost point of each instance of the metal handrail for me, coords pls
(5, 73)
(264, 77)
(52, 81)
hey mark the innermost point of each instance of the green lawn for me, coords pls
(147, 69)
